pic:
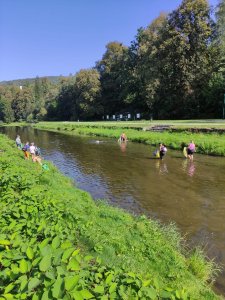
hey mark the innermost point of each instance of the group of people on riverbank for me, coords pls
(29, 150)
(161, 152)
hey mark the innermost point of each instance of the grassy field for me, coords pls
(57, 243)
(183, 124)
(207, 143)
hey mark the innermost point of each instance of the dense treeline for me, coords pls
(174, 69)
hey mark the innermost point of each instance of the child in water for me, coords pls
(162, 150)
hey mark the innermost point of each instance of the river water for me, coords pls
(191, 194)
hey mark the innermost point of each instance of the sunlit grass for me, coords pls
(115, 237)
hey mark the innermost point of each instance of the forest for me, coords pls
(173, 69)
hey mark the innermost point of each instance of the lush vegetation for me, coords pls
(211, 143)
(57, 243)
(174, 69)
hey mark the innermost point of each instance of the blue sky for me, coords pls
(56, 37)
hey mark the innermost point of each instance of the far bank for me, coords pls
(207, 143)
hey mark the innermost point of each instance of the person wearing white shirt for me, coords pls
(32, 151)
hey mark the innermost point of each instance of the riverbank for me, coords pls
(55, 239)
(207, 143)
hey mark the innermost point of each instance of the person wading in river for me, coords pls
(191, 150)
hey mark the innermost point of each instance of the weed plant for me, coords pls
(57, 243)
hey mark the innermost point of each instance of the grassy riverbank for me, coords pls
(57, 243)
(207, 143)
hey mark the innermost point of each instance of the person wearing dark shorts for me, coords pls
(191, 150)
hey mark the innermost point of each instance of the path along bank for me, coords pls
(207, 143)
(57, 243)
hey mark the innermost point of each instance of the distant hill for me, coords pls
(53, 79)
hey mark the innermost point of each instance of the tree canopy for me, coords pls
(174, 69)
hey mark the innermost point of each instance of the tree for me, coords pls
(221, 34)
(111, 72)
(6, 112)
(23, 104)
(87, 90)
(185, 59)
(146, 72)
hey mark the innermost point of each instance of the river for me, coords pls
(190, 194)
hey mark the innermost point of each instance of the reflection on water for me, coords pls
(123, 146)
(189, 167)
(191, 194)
(161, 167)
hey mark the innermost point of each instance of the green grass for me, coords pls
(207, 143)
(57, 243)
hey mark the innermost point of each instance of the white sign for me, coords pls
(107, 117)
(129, 116)
(138, 116)
(114, 117)
(121, 116)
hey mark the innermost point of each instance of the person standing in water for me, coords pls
(162, 150)
(18, 142)
(123, 138)
(191, 150)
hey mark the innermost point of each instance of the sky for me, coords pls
(60, 37)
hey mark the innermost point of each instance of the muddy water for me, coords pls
(190, 194)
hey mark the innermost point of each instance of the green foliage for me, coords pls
(6, 112)
(56, 243)
(172, 70)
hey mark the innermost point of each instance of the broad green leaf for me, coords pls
(73, 265)
(112, 288)
(8, 296)
(9, 288)
(99, 289)
(46, 250)
(36, 261)
(67, 253)
(152, 293)
(66, 244)
(57, 288)
(44, 243)
(56, 242)
(23, 266)
(23, 296)
(30, 253)
(4, 242)
(77, 295)
(23, 284)
(88, 258)
(146, 283)
(86, 294)
(109, 279)
(165, 294)
(51, 274)
(35, 297)
(45, 263)
(131, 274)
(71, 282)
(75, 252)
(45, 296)
(33, 283)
